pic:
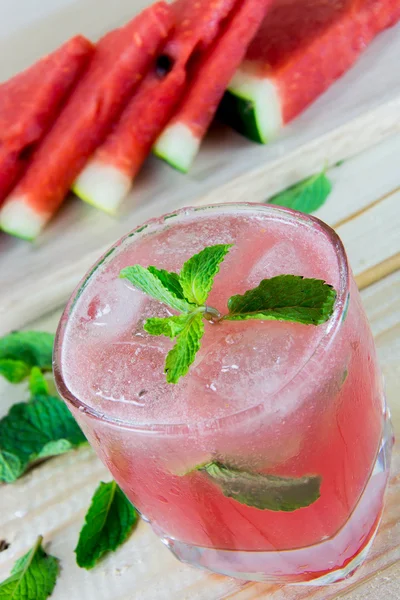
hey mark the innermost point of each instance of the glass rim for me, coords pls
(327, 338)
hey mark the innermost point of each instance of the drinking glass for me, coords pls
(292, 405)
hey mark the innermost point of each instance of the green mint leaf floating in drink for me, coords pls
(22, 350)
(169, 279)
(184, 352)
(108, 522)
(281, 298)
(168, 326)
(197, 275)
(38, 385)
(31, 431)
(285, 298)
(150, 284)
(265, 492)
(33, 576)
(307, 195)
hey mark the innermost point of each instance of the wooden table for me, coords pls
(364, 208)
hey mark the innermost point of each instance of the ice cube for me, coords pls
(248, 364)
(282, 258)
(111, 312)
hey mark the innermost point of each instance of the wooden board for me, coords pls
(357, 112)
(359, 185)
(53, 498)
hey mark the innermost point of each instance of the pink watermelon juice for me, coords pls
(267, 397)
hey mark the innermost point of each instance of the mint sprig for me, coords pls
(108, 522)
(33, 576)
(187, 293)
(265, 492)
(307, 195)
(284, 298)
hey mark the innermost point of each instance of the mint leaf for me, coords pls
(184, 352)
(307, 195)
(11, 467)
(35, 430)
(197, 274)
(108, 522)
(169, 326)
(55, 448)
(285, 298)
(265, 492)
(29, 348)
(33, 576)
(37, 383)
(151, 285)
(14, 370)
(169, 279)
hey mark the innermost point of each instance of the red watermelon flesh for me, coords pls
(179, 142)
(30, 102)
(303, 46)
(131, 141)
(199, 23)
(107, 178)
(121, 59)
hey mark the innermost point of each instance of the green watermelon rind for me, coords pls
(251, 105)
(17, 218)
(177, 146)
(96, 178)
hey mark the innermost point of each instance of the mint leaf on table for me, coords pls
(184, 352)
(14, 371)
(285, 298)
(31, 431)
(307, 195)
(11, 466)
(28, 348)
(33, 576)
(265, 492)
(150, 284)
(197, 275)
(38, 385)
(108, 522)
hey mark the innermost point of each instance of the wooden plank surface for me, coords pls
(53, 498)
(357, 112)
(359, 184)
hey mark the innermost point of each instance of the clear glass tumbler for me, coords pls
(286, 406)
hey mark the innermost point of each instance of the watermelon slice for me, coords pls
(302, 47)
(108, 176)
(30, 102)
(120, 61)
(179, 142)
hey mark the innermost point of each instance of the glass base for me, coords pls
(327, 562)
